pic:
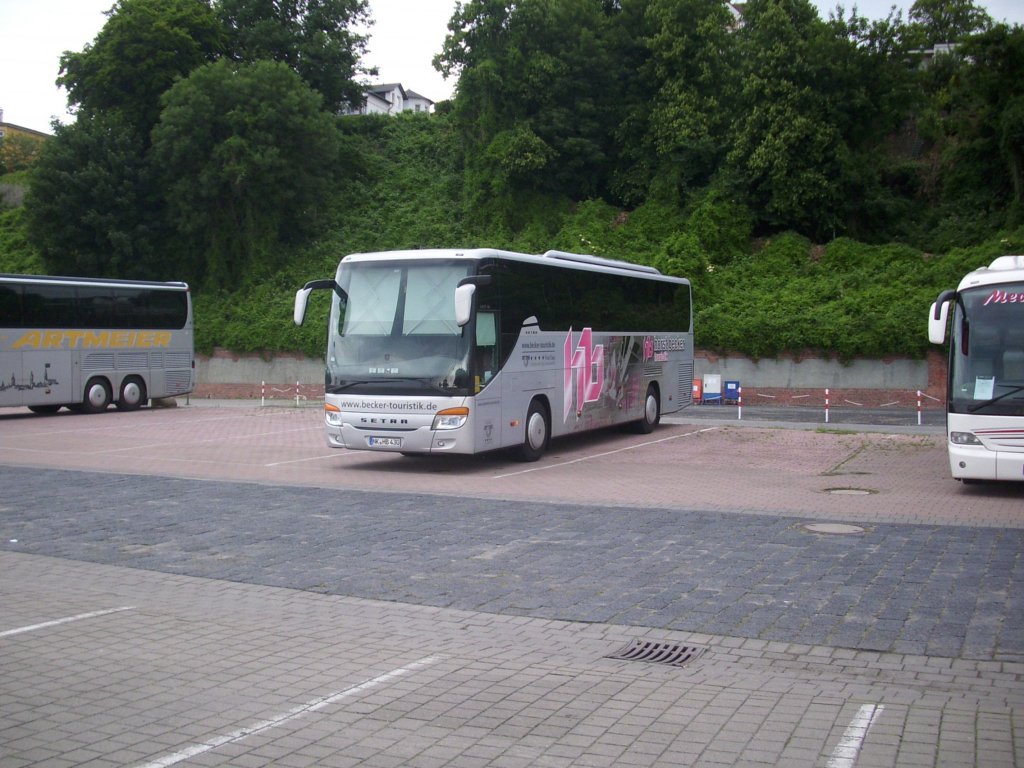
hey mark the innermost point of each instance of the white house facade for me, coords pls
(390, 99)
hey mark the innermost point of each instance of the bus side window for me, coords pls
(486, 345)
(1013, 365)
(10, 306)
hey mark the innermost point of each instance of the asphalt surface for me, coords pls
(936, 590)
(173, 580)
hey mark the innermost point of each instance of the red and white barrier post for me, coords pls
(826, 406)
(739, 403)
(919, 407)
(263, 393)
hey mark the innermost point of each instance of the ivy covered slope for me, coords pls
(756, 296)
(406, 196)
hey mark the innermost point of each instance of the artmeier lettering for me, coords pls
(93, 340)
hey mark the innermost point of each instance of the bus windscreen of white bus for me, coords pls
(988, 351)
(396, 324)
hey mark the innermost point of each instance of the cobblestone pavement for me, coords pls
(210, 586)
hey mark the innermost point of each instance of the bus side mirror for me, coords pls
(301, 299)
(937, 319)
(464, 303)
(938, 316)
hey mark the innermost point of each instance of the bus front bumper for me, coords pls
(980, 463)
(420, 440)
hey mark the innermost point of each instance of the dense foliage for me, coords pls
(667, 132)
(201, 141)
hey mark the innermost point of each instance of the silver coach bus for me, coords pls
(86, 343)
(465, 351)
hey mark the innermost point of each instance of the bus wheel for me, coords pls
(133, 394)
(44, 409)
(652, 412)
(538, 432)
(97, 396)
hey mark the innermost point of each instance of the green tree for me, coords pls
(946, 21)
(313, 37)
(536, 94)
(91, 208)
(691, 76)
(142, 49)
(786, 152)
(818, 99)
(18, 151)
(247, 160)
(983, 124)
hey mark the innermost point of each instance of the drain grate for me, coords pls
(673, 654)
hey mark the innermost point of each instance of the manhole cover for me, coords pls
(673, 654)
(849, 491)
(833, 529)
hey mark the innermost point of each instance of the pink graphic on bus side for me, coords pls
(585, 362)
(648, 348)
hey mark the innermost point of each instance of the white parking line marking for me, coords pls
(846, 751)
(285, 717)
(308, 458)
(65, 620)
(606, 453)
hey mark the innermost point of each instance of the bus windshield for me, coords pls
(987, 360)
(393, 329)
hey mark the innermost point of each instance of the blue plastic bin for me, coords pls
(732, 391)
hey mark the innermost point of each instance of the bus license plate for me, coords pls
(384, 442)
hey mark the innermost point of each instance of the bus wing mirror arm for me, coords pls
(302, 297)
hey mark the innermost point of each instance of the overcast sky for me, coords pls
(404, 38)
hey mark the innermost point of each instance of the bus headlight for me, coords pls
(450, 418)
(333, 414)
(963, 438)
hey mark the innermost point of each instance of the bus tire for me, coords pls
(97, 396)
(133, 394)
(538, 432)
(652, 412)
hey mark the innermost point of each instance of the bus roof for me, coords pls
(95, 281)
(562, 259)
(1005, 269)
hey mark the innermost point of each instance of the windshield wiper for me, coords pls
(335, 389)
(1014, 389)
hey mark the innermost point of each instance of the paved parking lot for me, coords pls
(210, 585)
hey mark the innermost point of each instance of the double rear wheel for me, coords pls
(133, 394)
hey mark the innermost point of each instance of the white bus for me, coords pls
(83, 343)
(465, 351)
(985, 395)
